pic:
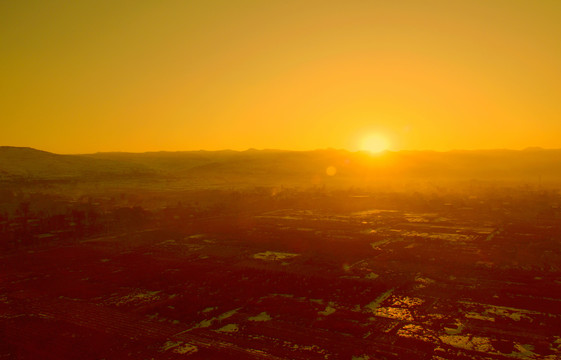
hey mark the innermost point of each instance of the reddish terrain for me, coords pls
(290, 284)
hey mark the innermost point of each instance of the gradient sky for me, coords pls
(86, 76)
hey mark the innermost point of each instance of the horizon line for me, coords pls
(528, 148)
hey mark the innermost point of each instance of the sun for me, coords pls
(375, 143)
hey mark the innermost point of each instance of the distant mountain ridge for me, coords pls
(18, 163)
(28, 163)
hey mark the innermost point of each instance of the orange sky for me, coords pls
(86, 76)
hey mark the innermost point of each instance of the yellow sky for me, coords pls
(91, 75)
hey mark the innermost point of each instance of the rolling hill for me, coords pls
(277, 166)
(22, 163)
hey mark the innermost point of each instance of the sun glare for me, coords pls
(375, 143)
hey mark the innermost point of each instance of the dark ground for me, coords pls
(291, 284)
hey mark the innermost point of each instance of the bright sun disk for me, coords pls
(375, 143)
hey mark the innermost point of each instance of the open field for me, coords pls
(291, 284)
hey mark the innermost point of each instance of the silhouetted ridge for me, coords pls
(252, 165)
(31, 164)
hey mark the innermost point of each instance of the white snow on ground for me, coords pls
(230, 328)
(407, 301)
(260, 317)
(455, 331)
(474, 315)
(418, 332)
(227, 314)
(208, 322)
(376, 244)
(374, 304)
(524, 352)
(186, 349)
(170, 345)
(394, 313)
(361, 357)
(328, 310)
(274, 255)
(467, 342)
(136, 297)
(179, 347)
(491, 312)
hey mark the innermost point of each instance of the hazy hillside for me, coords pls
(31, 164)
(276, 166)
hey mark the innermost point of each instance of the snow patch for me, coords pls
(374, 304)
(260, 317)
(230, 328)
(274, 255)
(328, 310)
(179, 347)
